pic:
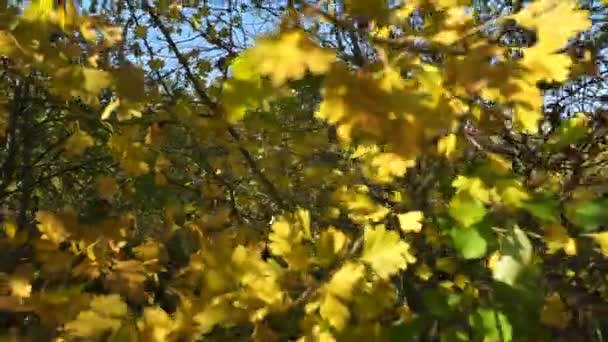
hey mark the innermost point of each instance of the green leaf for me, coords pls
(466, 210)
(435, 303)
(407, 331)
(592, 214)
(516, 256)
(455, 336)
(545, 209)
(490, 325)
(469, 242)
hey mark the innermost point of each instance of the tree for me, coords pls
(345, 170)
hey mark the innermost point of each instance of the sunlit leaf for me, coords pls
(411, 221)
(602, 240)
(385, 252)
(557, 238)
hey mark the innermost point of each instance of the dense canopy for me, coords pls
(332, 170)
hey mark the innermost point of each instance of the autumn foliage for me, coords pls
(353, 171)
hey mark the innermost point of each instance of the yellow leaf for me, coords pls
(86, 83)
(109, 306)
(372, 9)
(556, 238)
(343, 282)
(475, 187)
(337, 293)
(499, 163)
(141, 32)
(109, 109)
(90, 324)
(542, 16)
(461, 281)
(107, 187)
(218, 311)
(217, 219)
(457, 22)
(288, 57)
(388, 166)
(541, 61)
(383, 105)
(424, 272)
(602, 240)
(511, 192)
(53, 227)
(331, 243)
(20, 287)
(286, 240)
(446, 146)
(156, 64)
(411, 222)
(555, 313)
(335, 312)
(160, 180)
(10, 229)
(149, 250)
(77, 143)
(129, 83)
(318, 334)
(155, 325)
(493, 260)
(385, 252)
(527, 115)
(360, 207)
(257, 277)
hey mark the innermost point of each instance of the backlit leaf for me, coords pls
(288, 57)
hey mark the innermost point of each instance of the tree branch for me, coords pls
(218, 112)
